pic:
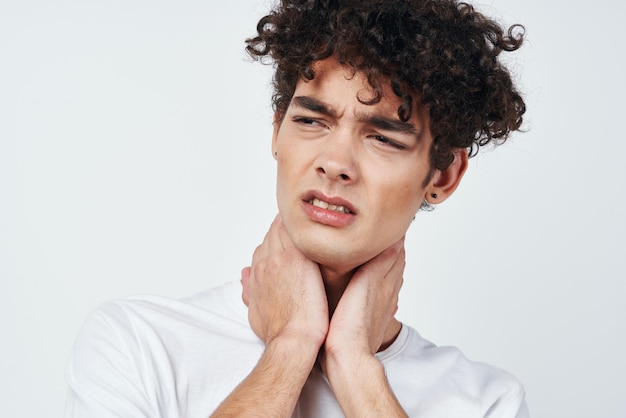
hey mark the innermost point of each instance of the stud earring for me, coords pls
(433, 195)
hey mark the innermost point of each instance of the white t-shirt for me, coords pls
(149, 356)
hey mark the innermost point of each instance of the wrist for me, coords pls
(360, 385)
(293, 349)
(345, 368)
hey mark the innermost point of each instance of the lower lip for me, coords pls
(328, 217)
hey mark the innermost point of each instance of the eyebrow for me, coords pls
(389, 124)
(381, 122)
(313, 105)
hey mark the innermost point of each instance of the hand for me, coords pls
(284, 291)
(363, 319)
(362, 322)
(288, 310)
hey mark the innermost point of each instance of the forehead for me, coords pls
(342, 89)
(346, 96)
(334, 79)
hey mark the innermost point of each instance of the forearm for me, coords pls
(361, 387)
(274, 385)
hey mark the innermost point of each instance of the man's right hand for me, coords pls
(284, 291)
(288, 310)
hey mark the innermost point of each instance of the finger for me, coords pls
(381, 265)
(395, 278)
(260, 252)
(397, 270)
(281, 239)
(245, 277)
(269, 235)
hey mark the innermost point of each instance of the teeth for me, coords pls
(326, 205)
(320, 204)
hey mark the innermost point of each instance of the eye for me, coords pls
(388, 142)
(307, 121)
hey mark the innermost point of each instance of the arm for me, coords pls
(273, 387)
(361, 387)
(363, 323)
(288, 310)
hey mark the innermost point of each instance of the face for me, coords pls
(350, 176)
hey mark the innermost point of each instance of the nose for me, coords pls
(336, 160)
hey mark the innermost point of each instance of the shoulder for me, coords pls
(451, 380)
(138, 310)
(135, 317)
(128, 351)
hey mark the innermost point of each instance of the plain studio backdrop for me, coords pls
(135, 158)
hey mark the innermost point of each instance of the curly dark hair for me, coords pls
(440, 52)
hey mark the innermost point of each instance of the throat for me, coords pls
(335, 283)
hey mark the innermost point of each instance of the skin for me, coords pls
(340, 153)
(329, 290)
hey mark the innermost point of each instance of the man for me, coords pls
(378, 105)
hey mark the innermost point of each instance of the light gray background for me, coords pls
(135, 158)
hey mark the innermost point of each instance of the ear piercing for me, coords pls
(433, 195)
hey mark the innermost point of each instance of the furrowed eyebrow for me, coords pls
(388, 124)
(313, 105)
(377, 121)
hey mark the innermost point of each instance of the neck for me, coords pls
(335, 283)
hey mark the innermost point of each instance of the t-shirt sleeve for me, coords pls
(512, 404)
(102, 374)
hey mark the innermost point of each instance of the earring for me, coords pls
(275, 153)
(433, 195)
(426, 207)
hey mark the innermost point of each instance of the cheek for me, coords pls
(403, 198)
(287, 178)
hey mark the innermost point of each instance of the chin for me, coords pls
(333, 255)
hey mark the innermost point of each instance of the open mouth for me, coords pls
(329, 206)
(331, 211)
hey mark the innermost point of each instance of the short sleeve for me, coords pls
(510, 405)
(102, 377)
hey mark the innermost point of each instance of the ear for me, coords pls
(445, 182)
(276, 124)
